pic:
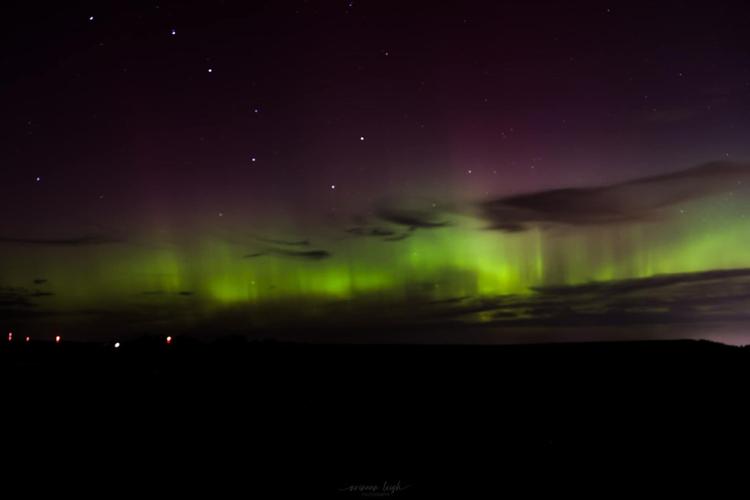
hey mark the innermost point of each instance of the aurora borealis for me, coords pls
(344, 165)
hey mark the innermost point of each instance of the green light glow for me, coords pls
(210, 274)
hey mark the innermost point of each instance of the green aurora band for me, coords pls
(207, 275)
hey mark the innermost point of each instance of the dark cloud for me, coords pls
(300, 254)
(382, 233)
(720, 295)
(398, 237)
(412, 213)
(415, 219)
(608, 288)
(77, 241)
(403, 219)
(395, 219)
(636, 200)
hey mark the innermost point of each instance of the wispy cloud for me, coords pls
(414, 219)
(297, 254)
(637, 200)
(720, 295)
(383, 234)
(283, 242)
(377, 232)
(19, 302)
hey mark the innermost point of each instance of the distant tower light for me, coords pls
(169, 340)
(57, 339)
(10, 336)
(28, 339)
(117, 345)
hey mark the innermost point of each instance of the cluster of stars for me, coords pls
(255, 110)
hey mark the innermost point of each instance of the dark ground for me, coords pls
(286, 419)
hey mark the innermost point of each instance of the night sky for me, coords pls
(375, 170)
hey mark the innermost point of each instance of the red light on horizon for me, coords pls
(169, 340)
(28, 339)
(57, 339)
(10, 336)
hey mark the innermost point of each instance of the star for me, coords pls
(91, 18)
(362, 138)
(333, 186)
(174, 32)
(38, 179)
(210, 70)
(252, 159)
